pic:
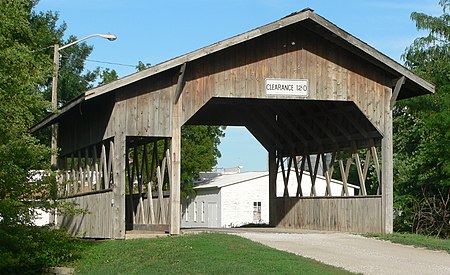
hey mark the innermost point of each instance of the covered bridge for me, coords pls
(301, 85)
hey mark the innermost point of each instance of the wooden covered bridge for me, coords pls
(301, 85)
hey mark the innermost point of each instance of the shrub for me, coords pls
(28, 249)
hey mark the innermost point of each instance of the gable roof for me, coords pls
(413, 86)
(225, 180)
(230, 179)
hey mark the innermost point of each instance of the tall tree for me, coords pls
(422, 133)
(24, 68)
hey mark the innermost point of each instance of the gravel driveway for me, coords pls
(356, 253)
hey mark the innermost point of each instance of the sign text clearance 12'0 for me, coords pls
(290, 87)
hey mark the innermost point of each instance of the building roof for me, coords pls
(414, 85)
(230, 179)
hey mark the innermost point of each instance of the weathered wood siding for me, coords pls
(96, 223)
(147, 106)
(347, 214)
(292, 53)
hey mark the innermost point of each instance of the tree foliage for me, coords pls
(23, 70)
(199, 152)
(422, 134)
(107, 76)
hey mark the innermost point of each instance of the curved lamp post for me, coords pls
(57, 48)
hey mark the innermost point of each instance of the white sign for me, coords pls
(291, 87)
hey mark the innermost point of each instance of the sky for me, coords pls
(155, 31)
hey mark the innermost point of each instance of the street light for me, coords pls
(110, 37)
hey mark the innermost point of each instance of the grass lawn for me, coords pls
(415, 240)
(204, 253)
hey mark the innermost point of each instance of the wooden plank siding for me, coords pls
(96, 222)
(333, 74)
(148, 106)
(345, 214)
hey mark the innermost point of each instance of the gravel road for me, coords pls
(356, 253)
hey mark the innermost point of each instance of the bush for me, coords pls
(28, 249)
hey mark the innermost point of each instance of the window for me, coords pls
(187, 212)
(195, 211)
(257, 206)
(256, 211)
(203, 211)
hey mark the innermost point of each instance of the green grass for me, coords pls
(204, 253)
(415, 240)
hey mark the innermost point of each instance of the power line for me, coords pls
(111, 63)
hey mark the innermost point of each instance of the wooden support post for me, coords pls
(118, 201)
(175, 173)
(119, 173)
(299, 175)
(273, 221)
(398, 85)
(87, 161)
(180, 83)
(387, 171)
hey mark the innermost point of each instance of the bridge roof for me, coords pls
(414, 85)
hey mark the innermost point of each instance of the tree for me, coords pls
(142, 66)
(23, 69)
(107, 76)
(199, 152)
(422, 134)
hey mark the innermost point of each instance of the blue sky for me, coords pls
(155, 31)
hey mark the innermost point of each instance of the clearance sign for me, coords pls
(291, 87)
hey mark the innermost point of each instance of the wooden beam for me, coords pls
(273, 211)
(305, 127)
(387, 170)
(356, 124)
(266, 128)
(338, 126)
(277, 129)
(398, 85)
(286, 120)
(118, 201)
(322, 126)
(299, 175)
(180, 83)
(175, 173)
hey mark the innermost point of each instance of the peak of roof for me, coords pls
(417, 85)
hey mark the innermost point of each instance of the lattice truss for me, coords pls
(87, 170)
(341, 170)
(148, 167)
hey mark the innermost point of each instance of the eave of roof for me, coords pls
(373, 55)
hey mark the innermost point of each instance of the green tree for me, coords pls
(199, 152)
(422, 134)
(142, 66)
(23, 70)
(107, 76)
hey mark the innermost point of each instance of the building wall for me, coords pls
(237, 202)
(203, 218)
